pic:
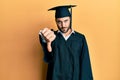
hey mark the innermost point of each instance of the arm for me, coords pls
(46, 37)
(47, 55)
(85, 69)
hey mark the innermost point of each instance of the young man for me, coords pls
(65, 50)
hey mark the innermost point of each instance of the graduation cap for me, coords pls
(62, 11)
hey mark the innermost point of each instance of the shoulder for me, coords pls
(79, 35)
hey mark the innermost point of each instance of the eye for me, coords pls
(59, 22)
(65, 21)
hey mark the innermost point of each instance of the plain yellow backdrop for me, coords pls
(21, 56)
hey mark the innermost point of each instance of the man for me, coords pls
(65, 50)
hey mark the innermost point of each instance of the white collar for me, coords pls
(62, 33)
(66, 37)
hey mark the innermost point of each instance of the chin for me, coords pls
(64, 31)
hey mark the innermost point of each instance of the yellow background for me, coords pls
(21, 56)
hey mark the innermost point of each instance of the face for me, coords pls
(63, 24)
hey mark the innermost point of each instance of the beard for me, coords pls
(64, 29)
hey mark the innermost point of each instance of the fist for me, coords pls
(48, 35)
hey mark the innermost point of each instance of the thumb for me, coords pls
(49, 47)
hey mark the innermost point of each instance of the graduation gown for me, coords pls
(69, 59)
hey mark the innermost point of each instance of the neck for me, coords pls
(67, 33)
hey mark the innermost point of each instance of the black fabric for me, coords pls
(69, 59)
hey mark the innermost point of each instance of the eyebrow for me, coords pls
(58, 20)
(66, 20)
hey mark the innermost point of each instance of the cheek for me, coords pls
(68, 24)
(59, 25)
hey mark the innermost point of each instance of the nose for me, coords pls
(63, 24)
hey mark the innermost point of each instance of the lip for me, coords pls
(64, 27)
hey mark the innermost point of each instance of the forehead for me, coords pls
(63, 18)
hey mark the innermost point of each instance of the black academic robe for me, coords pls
(69, 60)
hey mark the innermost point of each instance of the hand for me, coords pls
(49, 37)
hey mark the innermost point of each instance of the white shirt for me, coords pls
(66, 37)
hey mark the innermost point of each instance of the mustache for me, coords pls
(63, 27)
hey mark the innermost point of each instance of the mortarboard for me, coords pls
(62, 11)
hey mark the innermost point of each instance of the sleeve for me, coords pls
(48, 56)
(85, 69)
